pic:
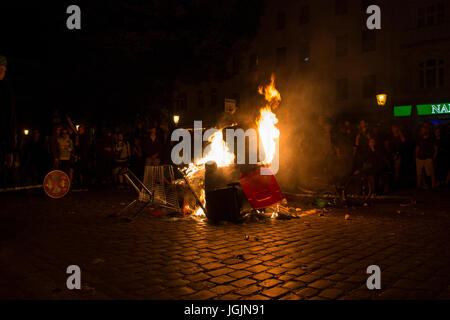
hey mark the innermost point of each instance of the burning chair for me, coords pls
(235, 190)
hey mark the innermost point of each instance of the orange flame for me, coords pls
(270, 93)
(268, 132)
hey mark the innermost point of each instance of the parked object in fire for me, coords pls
(262, 191)
(223, 204)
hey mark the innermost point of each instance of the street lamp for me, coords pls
(381, 99)
(176, 119)
(26, 132)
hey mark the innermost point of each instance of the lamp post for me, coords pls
(381, 99)
(176, 119)
(383, 112)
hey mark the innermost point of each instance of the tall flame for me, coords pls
(222, 156)
(268, 132)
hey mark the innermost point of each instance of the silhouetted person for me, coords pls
(426, 153)
(7, 125)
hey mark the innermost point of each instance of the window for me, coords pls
(431, 15)
(253, 62)
(341, 45)
(431, 73)
(200, 99)
(181, 101)
(281, 56)
(236, 65)
(369, 41)
(303, 53)
(213, 97)
(341, 7)
(304, 15)
(342, 89)
(369, 89)
(281, 21)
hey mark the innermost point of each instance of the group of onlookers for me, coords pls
(86, 157)
(389, 157)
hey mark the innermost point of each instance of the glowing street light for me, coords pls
(77, 127)
(176, 119)
(26, 132)
(381, 99)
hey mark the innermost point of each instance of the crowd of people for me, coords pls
(86, 156)
(390, 157)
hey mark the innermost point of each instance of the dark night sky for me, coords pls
(127, 53)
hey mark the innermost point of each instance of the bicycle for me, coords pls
(351, 190)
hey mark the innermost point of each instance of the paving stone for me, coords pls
(330, 293)
(275, 292)
(221, 279)
(243, 283)
(220, 271)
(307, 292)
(262, 276)
(269, 283)
(222, 289)
(293, 285)
(240, 274)
(248, 290)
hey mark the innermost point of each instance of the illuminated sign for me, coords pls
(402, 111)
(430, 109)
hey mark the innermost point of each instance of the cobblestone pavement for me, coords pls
(314, 257)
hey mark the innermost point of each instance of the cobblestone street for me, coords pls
(158, 257)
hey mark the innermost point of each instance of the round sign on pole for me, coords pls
(56, 184)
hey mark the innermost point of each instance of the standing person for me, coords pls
(165, 141)
(395, 146)
(34, 157)
(442, 158)
(121, 157)
(426, 153)
(7, 125)
(82, 150)
(362, 138)
(104, 155)
(54, 146)
(137, 158)
(153, 148)
(65, 146)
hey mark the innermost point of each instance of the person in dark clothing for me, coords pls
(373, 163)
(82, 153)
(104, 159)
(362, 139)
(34, 158)
(442, 157)
(137, 158)
(54, 147)
(395, 146)
(153, 148)
(426, 153)
(7, 125)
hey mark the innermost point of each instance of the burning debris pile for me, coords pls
(246, 187)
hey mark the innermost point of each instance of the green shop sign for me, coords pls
(431, 109)
(402, 111)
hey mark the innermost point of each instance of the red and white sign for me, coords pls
(56, 184)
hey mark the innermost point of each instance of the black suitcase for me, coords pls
(223, 204)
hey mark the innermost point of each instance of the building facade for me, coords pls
(326, 61)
